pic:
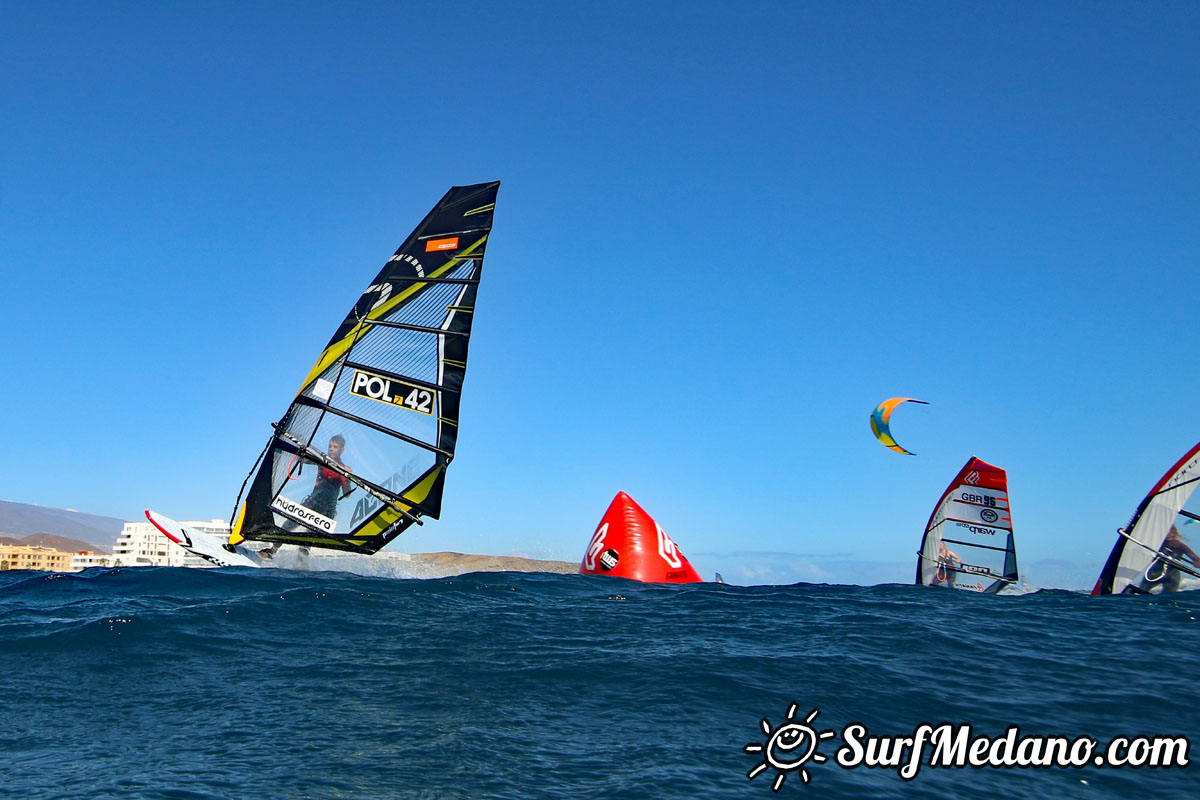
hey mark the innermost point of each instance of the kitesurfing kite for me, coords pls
(883, 415)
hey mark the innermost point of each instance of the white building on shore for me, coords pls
(84, 560)
(143, 545)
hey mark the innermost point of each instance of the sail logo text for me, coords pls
(393, 392)
(609, 559)
(438, 245)
(290, 508)
(976, 529)
(385, 291)
(397, 483)
(790, 746)
(412, 260)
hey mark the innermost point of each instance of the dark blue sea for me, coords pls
(183, 683)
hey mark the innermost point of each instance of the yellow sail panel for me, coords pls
(389, 516)
(235, 536)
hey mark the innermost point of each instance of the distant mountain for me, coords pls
(56, 543)
(19, 520)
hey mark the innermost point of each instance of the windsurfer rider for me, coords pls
(329, 487)
(1173, 547)
(945, 561)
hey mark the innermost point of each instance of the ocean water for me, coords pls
(175, 683)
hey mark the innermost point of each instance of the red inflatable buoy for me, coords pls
(629, 544)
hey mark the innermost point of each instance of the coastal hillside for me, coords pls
(448, 564)
(19, 520)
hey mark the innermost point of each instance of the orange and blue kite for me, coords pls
(882, 415)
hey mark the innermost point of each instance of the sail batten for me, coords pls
(445, 280)
(447, 234)
(408, 326)
(1175, 486)
(379, 410)
(976, 544)
(346, 415)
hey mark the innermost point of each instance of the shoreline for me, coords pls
(445, 564)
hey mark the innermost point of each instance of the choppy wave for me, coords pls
(173, 683)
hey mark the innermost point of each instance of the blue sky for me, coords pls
(723, 235)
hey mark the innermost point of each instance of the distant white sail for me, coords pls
(968, 542)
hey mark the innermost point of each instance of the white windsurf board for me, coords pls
(206, 545)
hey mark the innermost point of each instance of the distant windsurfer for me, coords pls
(330, 486)
(945, 565)
(1176, 549)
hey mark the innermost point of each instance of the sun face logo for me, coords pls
(788, 747)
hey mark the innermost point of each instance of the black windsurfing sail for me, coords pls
(1151, 554)
(361, 453)
(968, 542)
